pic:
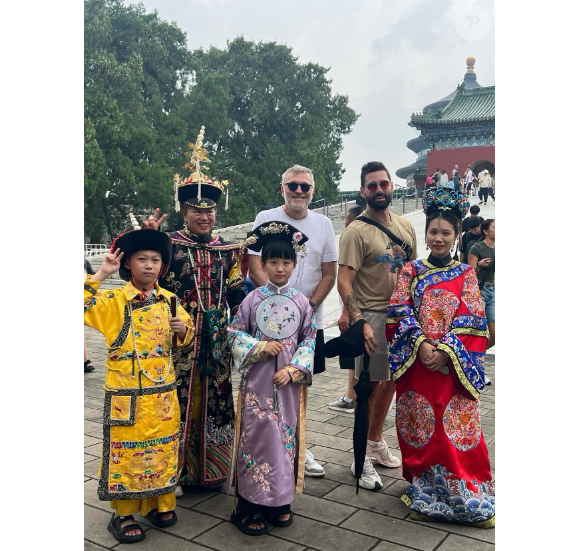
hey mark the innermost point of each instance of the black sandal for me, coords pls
(154, 517)
(89, 366)
(119, 531)
(283, 523)
(244, 525)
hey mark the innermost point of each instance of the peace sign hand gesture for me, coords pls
(111, 263)
(153, 223)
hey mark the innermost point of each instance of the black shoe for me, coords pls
(119, 533)
(89, 366)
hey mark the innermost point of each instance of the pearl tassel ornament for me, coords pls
(176, 180)
(199, 145)
(134, 222)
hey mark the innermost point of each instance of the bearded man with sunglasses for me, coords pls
(372, 250)
(317, 274)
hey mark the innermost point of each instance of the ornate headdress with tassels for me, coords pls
(260, 236)
(199, 190)
(447, 200)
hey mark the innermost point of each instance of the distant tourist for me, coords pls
(484, 186)
(436, 177)
(471, 236)
(473, 213)
(444, 179)
(346, 401)
(455, 171)
(429, 183)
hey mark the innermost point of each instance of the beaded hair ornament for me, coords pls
(445, 200)
(259, 237)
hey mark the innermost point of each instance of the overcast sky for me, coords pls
(390, 57)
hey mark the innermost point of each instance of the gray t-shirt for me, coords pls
(486, 273)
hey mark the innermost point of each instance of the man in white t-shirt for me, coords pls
(318, 274)
(470, 184)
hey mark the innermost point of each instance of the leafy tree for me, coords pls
(137, 68)
(147, 95)
(281, 112)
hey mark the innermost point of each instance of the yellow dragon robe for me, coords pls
(141, 414)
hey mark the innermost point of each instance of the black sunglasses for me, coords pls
(293, 186)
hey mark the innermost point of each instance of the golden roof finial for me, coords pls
(470, 64)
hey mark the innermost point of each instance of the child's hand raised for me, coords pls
(282, 377)
(111, 263)
(273, 348)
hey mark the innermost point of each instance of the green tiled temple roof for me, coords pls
(467, 107)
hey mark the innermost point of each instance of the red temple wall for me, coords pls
(448, 158)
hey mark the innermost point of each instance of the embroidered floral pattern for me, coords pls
(401, 294)
(462, 423)
(252, 402)
(259, 471)
(286, 433)
(471, 295)
(437, 312)
(439, 494)
(217, 433)
(415, 419)
(267, 292)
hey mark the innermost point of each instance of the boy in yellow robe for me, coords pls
(141, 416)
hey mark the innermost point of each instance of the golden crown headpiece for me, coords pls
(212, 189)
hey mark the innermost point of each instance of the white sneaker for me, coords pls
(311, 467)
(178, 491)
(383, 455)
(342, 404)
(370, 479)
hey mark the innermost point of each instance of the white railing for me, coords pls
(94, 249)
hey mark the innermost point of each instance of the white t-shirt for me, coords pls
(469, 176)
(321, 248)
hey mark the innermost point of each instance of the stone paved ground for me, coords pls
(329, 515)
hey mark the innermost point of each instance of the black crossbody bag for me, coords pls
(397, 240)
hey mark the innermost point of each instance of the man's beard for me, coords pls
(288, 200)
(372, 201)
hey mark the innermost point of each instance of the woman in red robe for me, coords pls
(438, 336)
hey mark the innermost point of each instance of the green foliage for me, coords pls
(147, 95)
(135, 69)
(283, 113)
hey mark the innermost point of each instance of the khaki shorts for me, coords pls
(379, 364)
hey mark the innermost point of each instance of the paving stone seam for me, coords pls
(329, 491)
(442, 542)
(406, 519)
(93, 407)
(396, 543)
(310, 546)
(435, 526)
(98, 545)
(358, 509)
(197, 536)
(198, 503)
